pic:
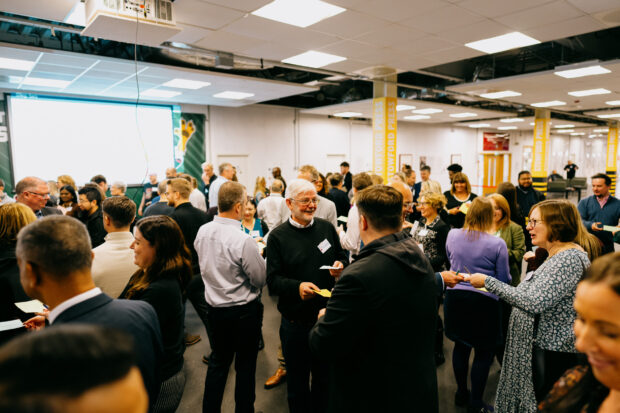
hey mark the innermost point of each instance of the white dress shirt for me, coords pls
(197, 199)
(113, 264)
(214, 189)
(231, 266)
(351, 240)
(65, 305)
(272, 210)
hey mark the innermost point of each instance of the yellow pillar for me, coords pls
(384, 127)
(539, 152)
(612, 150)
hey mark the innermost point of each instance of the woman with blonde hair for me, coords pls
(63, 180)
(260, 189)
(13, 217)
(541, 342)
(472, 316)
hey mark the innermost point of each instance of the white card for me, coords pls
(423, 232)
(324, 246)
(342, 218)
(415, 226)
(11, 325)
(34, 306)
(328, 267)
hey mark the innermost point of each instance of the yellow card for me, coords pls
(324, 293)
(482, 289)
(464, 208)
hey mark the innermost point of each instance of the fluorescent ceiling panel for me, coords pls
(347, 114)
(581, 72)
(479, 125)
(499, 95)
(463, 115)
(589, 92)
(159, 93)
(417, 117)
(16, 64)
(613, 103)
(314, 59)
(577, 133)
(600, 130)
(427, 111)
(233, 95)
(548, 104)
(186, 84)
(566, 130)
(504, 42)
(40, 81)
(507, 127)
(611, 115)
(404, 107)
(511, 120)
(564, 126)
(300, 13)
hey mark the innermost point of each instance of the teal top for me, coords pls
(256, 231)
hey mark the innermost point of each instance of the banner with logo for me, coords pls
(189, 142)
(612, 154)
(539, 150)
(384, 129)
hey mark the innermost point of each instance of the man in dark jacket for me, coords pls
(384, 307)
(338, 195)
(90, 214)
(527, 197)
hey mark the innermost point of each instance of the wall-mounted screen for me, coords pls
(83, 138)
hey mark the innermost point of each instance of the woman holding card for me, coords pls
(458, 195)
(472, 316)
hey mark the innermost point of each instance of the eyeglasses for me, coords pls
(410, 205)
(41, 195)
(421, 203)
(307, 201)
(533, 222)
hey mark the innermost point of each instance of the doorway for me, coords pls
(496, 169)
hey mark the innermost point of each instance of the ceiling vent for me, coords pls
(116, 20)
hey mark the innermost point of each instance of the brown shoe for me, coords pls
(191, 340)
(276, 379)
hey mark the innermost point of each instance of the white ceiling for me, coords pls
(104, 77)
(403, 34)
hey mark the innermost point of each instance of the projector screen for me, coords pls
(82, 138)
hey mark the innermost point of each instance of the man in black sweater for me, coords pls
(338, 195)
(296, 251)
(527, 197)
(383, 308)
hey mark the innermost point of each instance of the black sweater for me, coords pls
(190, 219)
(293, 257)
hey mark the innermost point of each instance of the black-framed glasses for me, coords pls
(533, 222)
(306, 201)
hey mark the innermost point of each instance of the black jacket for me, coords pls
(136, 318)
(11, 291)
(190, 219)
(379, 329)
(94, 225)
(341, 200)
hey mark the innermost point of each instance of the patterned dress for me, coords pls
(549, 292)
(433, 239)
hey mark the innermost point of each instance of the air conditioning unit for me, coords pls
(145, 22)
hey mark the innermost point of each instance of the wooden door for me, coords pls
(496, 170)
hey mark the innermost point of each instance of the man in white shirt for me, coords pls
(350, 240)
(234, 274)
(273, 209)
(113, 264)
(196, 198)
(226, 174)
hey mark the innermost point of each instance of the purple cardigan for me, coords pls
(479, 252)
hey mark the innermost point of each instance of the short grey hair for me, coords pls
(58, 244)
(297, 186)
(223, 167)
(205, 164)
(120, 185)
(277, 186)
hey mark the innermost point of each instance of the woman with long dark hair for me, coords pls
(165, 270)
(67, 199)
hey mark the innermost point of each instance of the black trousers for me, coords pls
(235, 333)
(196, 295)
(303, 397)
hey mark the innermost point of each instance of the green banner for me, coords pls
(189, 143)
(6, 170)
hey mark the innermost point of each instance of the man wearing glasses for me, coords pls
(325, 209)
(34, 193)
(297, 251)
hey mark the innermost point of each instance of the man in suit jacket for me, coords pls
(54, 259)
(384, 307)
(34, 193)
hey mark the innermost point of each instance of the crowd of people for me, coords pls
(360, 268)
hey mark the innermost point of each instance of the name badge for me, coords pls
(255, 234)
(324, 246)
(423, 232)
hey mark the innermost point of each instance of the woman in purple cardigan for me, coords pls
(472, 316)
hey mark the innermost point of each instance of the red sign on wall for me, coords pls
(495, 141)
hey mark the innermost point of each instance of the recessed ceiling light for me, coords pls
(577, 134)
(40, 81)
(463, 115)
(532, 124)
(186, 84)
(611, 115)
(511, 120)
(566, 130)
(16, 64)
(504, 42)
(589, 92)
(479, 125)
(160, 93)
(427, 111)
(613, 103)
(499, 95)
(600, 130)
(404, 107)
(77, 16)
(347, 114)
(564, 126)
(507, 127)
(300, 13)
(233, 95)
(417, 117)
(549, 103)
(314, 59)
(593, 136)
(584, 71)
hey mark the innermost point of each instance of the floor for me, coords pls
(274, 400)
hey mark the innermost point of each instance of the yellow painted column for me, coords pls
(384, 136)
(539, 151)
(612, 151)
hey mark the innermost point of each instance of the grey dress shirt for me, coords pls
(230, 263)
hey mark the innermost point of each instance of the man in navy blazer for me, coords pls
(54, 258)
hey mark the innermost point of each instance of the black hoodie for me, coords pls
(379, 329)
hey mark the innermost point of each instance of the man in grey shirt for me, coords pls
(234, 274)
(226, 174)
